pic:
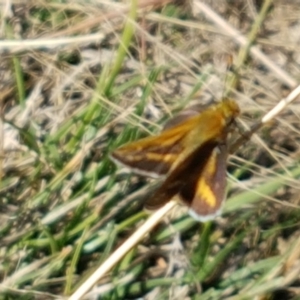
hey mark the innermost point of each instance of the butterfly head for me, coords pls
(230, 110)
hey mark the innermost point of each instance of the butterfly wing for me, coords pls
(205, 194)
(199, 180)
(155, 155)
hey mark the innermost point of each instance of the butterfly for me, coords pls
(192, 155)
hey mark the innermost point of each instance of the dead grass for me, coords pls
(77, 81)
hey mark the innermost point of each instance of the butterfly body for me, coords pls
(193, 156)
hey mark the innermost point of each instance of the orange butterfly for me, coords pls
(192, 155)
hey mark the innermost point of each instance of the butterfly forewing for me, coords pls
(154, 156)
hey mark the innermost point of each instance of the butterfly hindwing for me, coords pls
(199, 180)
(206, 195)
